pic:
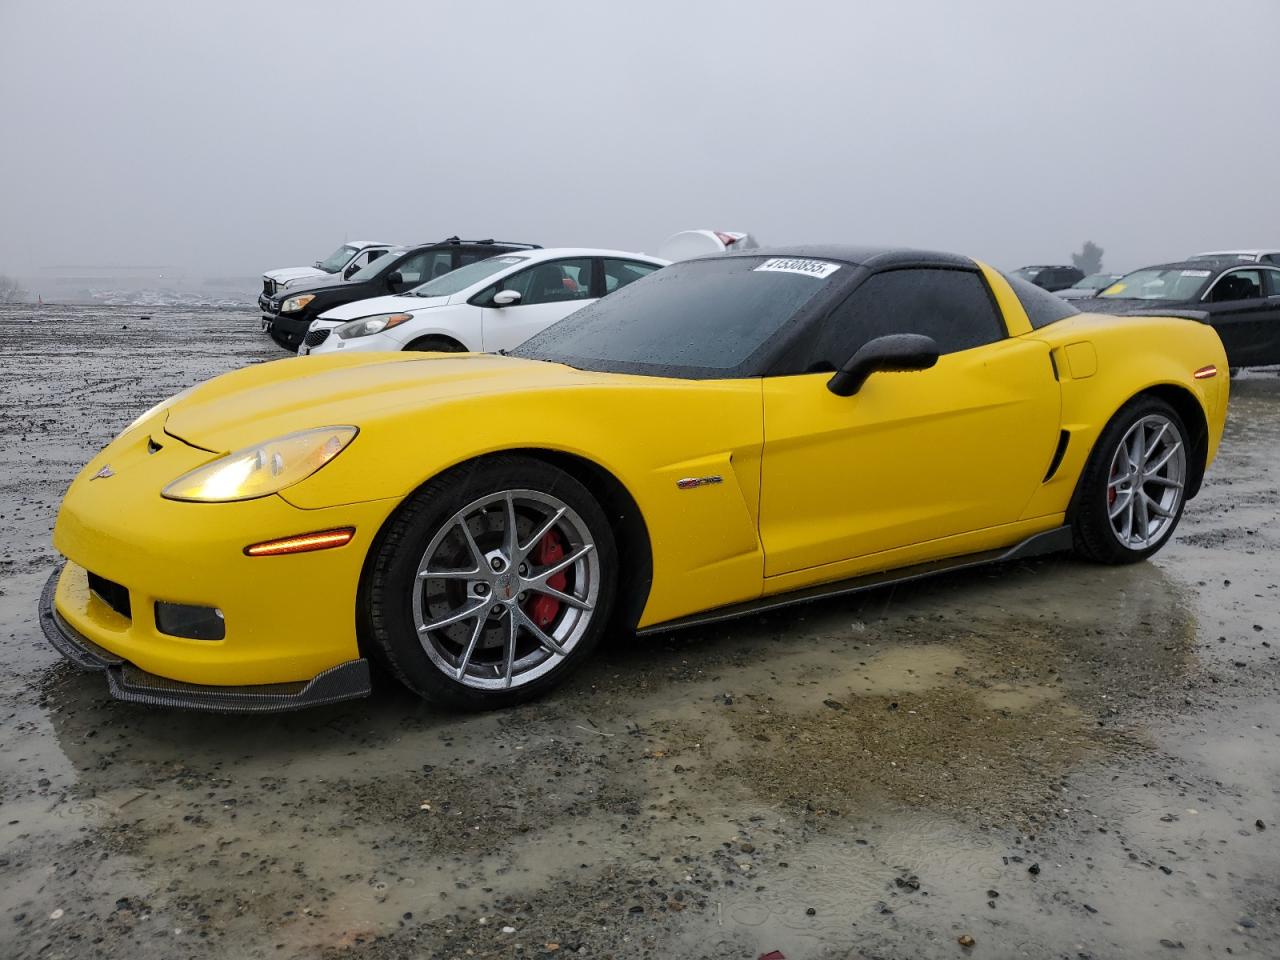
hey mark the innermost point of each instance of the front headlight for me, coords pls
(264, 469)
(371, 325)
(294, 304)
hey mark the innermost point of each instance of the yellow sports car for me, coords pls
(726, 435)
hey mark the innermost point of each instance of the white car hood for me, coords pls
(288, 275)
(377, 305)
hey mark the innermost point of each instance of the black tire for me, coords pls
(1094, 537)
(436, 344)
(386, 616)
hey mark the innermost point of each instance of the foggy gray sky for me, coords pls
(233, 137)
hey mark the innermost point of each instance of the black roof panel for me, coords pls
(874, 257)
(1217, 264)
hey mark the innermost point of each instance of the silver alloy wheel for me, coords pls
(494, 570)
(1146, 482)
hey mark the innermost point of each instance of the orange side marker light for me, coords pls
(302, 543)
(1205, 373)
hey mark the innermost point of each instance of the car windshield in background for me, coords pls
(1096, 281)
(464, 277)
(378, 267)
(700, 318)
(337, 260)
(1173, 284)
(1027, 273)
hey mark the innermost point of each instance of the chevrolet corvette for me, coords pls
(726, 435)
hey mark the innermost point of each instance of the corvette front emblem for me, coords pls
(104, 473)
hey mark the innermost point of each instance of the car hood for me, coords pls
(326, 281)
(376, 305)
(268, 400)
(289, 274)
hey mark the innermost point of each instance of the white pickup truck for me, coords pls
(343, 262)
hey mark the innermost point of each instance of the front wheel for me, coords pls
(436, 345)
(1133, 488)
(491, 584)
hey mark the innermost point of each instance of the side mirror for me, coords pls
(350, 272)
(394, 279)
(505, 298)
(899, 351)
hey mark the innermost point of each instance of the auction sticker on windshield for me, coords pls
(818, 269)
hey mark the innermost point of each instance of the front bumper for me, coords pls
(288, 329)
(125, 681)
(376, 343)
(287, 619)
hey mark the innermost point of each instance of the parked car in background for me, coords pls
(1052, 278)
(688, 244)
(1252, 256)
(288, 316)
(496, 304)
(1090, 286)
(342, 263)
(1240, 300)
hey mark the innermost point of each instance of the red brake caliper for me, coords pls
(543, 609)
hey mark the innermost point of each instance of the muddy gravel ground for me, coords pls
(1055, 759)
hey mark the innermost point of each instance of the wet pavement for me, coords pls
(1051, 758)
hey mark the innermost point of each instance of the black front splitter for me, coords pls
(125, 681)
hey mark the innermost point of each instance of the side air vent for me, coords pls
(1063, 439)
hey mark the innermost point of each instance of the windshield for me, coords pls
(1027, 273)
(338, 259)
(699, 317)
(1096, 281)
(1159, 283)
(464, 277)
(379, 266)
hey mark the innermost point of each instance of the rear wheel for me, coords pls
(436, 345)
(1133, 488)
(491, 584)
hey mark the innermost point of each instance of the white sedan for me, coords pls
(490, 305)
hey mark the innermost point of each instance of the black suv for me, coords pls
(1051, 277)
(288, 314)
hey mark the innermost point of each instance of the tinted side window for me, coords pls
(440, 263)
(413, 270)
(1042, 307)
(1273, 283)
(549, 282)
(951, 306)
(618, 273)
(1237, 285)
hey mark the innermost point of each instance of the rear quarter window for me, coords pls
(1043, 308)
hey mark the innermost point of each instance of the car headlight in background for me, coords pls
(367, 326)
(262, 469)
(294, 304)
